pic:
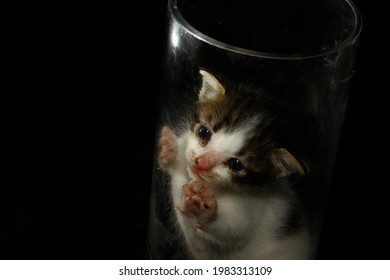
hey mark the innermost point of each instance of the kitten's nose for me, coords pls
(205, 162)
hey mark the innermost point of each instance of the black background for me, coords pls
(79, 127)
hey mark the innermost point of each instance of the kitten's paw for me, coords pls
(199, 203)
(166, 148)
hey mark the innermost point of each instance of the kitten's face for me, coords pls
(230, 141)
(221, 155)
(222, 151)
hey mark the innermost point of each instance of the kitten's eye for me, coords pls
(235, 165)
(204, 133)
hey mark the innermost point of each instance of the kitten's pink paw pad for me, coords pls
(199, 203)
(166, 148)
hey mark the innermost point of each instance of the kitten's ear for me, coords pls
(211, 87)
(286, 164)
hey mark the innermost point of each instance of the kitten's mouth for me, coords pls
(196, 173)
(199, 174)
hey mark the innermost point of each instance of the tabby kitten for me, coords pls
(232, 184)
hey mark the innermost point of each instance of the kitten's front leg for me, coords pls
(199, 204)
(167, 148)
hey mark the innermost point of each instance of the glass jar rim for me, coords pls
(350, 40)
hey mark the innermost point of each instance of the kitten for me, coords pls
(232, 185)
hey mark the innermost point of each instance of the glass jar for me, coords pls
(252, 102)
